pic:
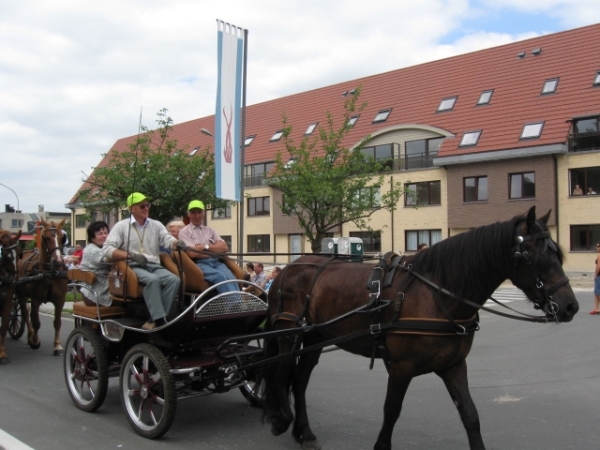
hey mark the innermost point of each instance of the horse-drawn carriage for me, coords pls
(418, 314)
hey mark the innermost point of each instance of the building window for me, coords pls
(415, 237)
(532, 130)
(369, 197)
(585, 135)
(259, 206)
(584, 181)
(81, 242)
(311, 128)
(222, 213)
(255, 174)
(371, 240)
(384, 154)
(227, 240)
(475, 189)
(550, 86)
(447, 104)
(420, 153)
(249, 140)
(522, 185)
(584, 237)
(259, 243)
(352, 120)
(470, 139)
(194, 151)
(276, 136)
(81, 221)
(16, 223)
(421, 194)
(597, 79)
(485, 97)
(382, 115)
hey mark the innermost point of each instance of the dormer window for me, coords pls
(352, 120)
(382, 115)
(597, 79)
(532, 130)
(276, 136)
(470, 139)
(485, 97)
(249, 140)
(194, 151)
(311, 128)
(447, 104)
(550, 86)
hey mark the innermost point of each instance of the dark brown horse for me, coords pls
(45, 268)
(9, 257)
(427, 326)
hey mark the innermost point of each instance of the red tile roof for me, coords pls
(415, 93)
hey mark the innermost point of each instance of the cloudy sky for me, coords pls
(74, 74)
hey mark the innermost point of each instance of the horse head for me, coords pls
(11, 252)
(52, 241)
(538, 268)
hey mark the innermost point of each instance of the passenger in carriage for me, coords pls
(94, 261)
(138, 239)
(200, 238)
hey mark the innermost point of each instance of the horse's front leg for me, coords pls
(33, 338)
(6, 309)
(457, 383)
(302, 432)
(58, 350)
(399, 378)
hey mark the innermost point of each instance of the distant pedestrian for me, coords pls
(596, 309)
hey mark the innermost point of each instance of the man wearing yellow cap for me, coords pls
(200, 238)
(138, 239)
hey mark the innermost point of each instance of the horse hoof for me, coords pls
(276, 430)
(59, 352)
(311, 445)
(4, 360)
(35, 346)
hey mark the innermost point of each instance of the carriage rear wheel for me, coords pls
(16, 323)
(148, 391)
(86, 369)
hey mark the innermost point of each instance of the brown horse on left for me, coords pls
(11, 252)
(46, 271)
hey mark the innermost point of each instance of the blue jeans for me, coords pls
(215, 271)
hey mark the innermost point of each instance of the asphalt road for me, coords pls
(536, 387)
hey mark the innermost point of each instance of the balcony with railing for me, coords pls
(581, 142)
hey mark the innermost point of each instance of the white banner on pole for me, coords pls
(229, 111)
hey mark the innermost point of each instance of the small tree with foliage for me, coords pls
(324, 184)
(157, 167)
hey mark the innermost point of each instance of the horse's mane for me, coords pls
(471, 264)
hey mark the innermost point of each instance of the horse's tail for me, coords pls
(277, 385)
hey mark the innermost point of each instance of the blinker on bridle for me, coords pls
(547, 306)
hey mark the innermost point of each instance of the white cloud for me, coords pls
(73, 74)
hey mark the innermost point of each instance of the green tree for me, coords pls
(157, 167)
(325, 185)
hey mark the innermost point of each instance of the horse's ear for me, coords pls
(44, 223)
(18, 236)
(545, 217)
(62, 222)
(530, 221)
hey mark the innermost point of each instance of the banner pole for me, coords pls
(243, 153)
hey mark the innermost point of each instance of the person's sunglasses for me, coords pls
(145, 205)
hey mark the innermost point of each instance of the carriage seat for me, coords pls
(87, 308)
(123, 284)
(194, 278)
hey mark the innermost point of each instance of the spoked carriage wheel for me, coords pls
(254, 389)
(86, 369)
(16, 323)
(148, 391)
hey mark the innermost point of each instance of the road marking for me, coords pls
(507, 295)
(508, 399)
(7, 442)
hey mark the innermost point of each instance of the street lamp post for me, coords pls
(18, 205)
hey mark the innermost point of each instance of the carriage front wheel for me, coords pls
(86, 369)
(16, 323)
(148, 391)
(254, 389)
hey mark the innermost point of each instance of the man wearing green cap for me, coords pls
(138, 239)
(199, 238)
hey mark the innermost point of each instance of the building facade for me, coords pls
(478, 137)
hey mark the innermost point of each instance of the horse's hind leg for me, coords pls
(399, 379)
(302, 432)
(457, 383)
(6, 307)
